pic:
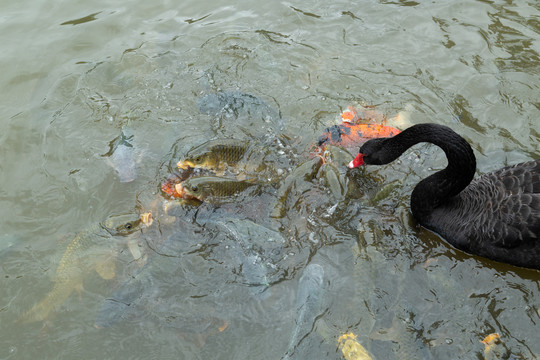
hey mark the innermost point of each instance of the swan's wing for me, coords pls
(515, 205)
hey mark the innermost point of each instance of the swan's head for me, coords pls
(371, 153)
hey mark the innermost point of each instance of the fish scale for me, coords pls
(214, 154)
(213, 187)
(76, 263)
(231, 152)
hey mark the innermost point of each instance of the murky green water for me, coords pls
(75, 74)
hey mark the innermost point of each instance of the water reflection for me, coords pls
(400, 289)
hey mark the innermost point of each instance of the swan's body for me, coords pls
(496, 215)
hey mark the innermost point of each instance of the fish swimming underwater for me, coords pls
(236, 112)
(351, 348)
(121, 156)
(238, 252)
(294, 184)
(350, 136)
(254, 253)
(495, 349)
(406, 334)
(91, 249)
(308, 304)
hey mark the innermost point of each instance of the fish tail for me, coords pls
(41, 310)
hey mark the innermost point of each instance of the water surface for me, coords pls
(75, 74)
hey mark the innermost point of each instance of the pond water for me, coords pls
(76, 75)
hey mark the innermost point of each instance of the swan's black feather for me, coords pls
(496, 215)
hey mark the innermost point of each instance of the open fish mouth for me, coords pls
(184, 165)
(182, 193)
(147, 218)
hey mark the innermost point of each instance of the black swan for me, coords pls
(496, 215)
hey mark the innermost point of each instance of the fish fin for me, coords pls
(79, 288)
(40, 311)
(251, 180)
(106, 268)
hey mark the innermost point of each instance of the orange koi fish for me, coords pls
(351, 136)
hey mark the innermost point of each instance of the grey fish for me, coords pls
(251, 114)
(122, 157)
(257, 252)
(308, 305)
(91, 249)
(240, 251)
(406, 334)
(131, 296)
(295, 184)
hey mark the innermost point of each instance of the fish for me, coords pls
(308, 305)
(256, 249)
(91, 249)
(298, 180)
(214, 154)
(121, 156)
(351, 348)
(405, 334)
(236, 251)
(494, 348)
(239, 112)
(212, 188)
(350, 136)
(175, 178)
(158, 291)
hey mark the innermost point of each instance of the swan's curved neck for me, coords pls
(441, 186)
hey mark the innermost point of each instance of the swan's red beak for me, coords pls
(357, 161)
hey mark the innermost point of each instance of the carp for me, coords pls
(211, 188)
(214, 154)
(91, 249)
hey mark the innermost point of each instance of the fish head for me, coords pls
(127, 172)
(125, 224)
(196, 188)
(200, 157)
(491, 339)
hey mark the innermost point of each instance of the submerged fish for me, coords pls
(495, 349)
(163, 289)
(211, 187)
(298, 180)
(351, 349)
(91, 249)
(308, 304)
(350, 136)
(253, 250)
(122, 157)
(404, 332)
(214, 154)
(177, 176)
(241, 112)
(237, 252)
